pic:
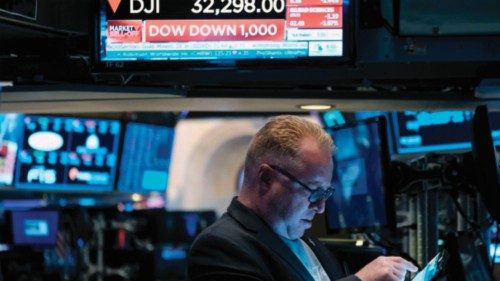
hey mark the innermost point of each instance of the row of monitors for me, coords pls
(40, 227)
(364, 194)
(82, 154)
(422, 131)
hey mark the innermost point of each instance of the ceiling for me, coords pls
(47, 60)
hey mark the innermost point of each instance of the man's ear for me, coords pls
(265, 176)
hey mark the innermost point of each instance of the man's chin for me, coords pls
(299, 232)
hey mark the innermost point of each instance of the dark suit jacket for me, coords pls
(241, 246)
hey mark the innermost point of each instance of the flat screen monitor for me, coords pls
(68, 154)
(423, 131)
(448, 18)
(173, 227)
(362, 199)
(35, 228)
(11, 128)
(182, 227)
(145, 158)
(144, 34)
(485, 161)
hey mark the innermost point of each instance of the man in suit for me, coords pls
(288, 170)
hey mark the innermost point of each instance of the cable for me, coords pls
(475, 225)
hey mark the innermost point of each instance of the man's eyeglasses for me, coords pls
(321, 193)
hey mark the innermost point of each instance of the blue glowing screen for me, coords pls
(11, 126)
(71, 154)
(145, 158)
(421, 131)
(359, 200)
(35, 227)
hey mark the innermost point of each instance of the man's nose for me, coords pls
(319, 206)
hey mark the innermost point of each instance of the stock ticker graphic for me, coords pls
(220, 29)
(61, 153)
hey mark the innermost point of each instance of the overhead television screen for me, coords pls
(219, 30)
(424, 131)
(145, 159)
(69, 154)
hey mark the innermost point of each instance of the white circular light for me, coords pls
(45, 141)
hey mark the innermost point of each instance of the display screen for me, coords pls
(433, 268)
(359, 164)
(71, 154)
(183, 227)
(420, 131)
(11, 128)
(152, 30)
(145, 159)
(34, 227)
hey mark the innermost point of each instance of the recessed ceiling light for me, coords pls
(316, 106)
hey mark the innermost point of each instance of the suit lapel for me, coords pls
(265, 234)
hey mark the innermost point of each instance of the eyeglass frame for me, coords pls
(325, 193)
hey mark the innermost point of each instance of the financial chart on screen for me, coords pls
(145, 159)
(63, 153)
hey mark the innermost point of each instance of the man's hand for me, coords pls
(386, 269)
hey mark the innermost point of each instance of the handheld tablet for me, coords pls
(433, 268)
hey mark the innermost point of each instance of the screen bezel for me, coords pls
(388, 189)
(100, 66)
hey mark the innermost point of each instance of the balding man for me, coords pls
(288, 171)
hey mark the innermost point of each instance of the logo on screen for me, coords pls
(124, 31)
(138, 6)
(114, 4)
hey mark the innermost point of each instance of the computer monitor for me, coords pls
(145, 158)
(424, 131)
(183, 226)
(69, 154)
(363, 200)
(11, 126)
(485, 161)
(35, 228)
(173, 227)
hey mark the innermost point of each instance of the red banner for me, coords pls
(314, 17)
(124, 31)
(313, 2)
(214, 30)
